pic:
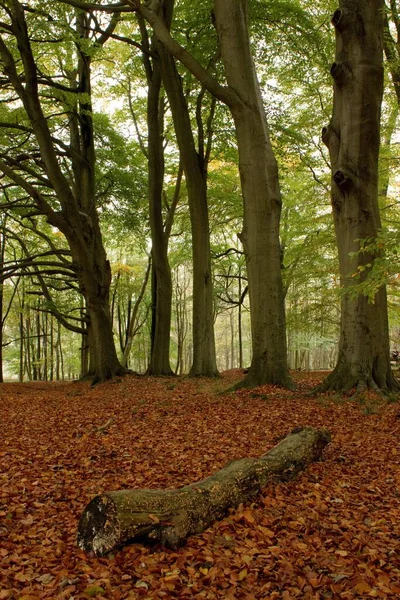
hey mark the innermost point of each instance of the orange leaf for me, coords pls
(248, 516)
(362, 588)
(154, 518)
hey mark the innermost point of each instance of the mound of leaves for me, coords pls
(334, 532)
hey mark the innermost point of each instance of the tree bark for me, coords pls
(353, 138)
(259, 179)
(261, 200)
(3, 239)
(161, 273)
(113, 519)
(204, 354)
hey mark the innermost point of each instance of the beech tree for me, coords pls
(60, 179)
(195, 168)
(259, 179)
(159, 363)
(134, 188)
(353, 139)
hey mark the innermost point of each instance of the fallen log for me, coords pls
(168, 517)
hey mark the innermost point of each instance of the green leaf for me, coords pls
(94, 590)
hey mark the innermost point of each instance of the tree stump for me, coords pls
(168, 517)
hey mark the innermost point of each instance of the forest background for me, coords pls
(97, 71)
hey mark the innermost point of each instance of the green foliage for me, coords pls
(383, 268)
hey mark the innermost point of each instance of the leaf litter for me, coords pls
(334, 532)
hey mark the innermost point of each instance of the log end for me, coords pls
(98, 528)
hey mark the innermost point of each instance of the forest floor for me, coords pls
(333, 532)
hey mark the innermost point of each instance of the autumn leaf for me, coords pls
(94, 590)
(154, 518)
(293, 540)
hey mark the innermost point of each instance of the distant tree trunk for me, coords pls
(52, 346)
(132, 327)
(58, 351)
(204, 357)
(84, 368)
(38, 336)
(232, 349)
(24, 335)
(353, 138)
(181, 311)
(21, 348)
(385, 168)
(392, 46)
(45, 338)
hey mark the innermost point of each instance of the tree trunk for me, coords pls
(72, 209)
(259, 178)
(353, 138)
(107, 364)
(112, 519)
(161, 280)
(132, 327)
(58, 352)
(261, 197)
(180, 287)
(204, 356)
(21, 346)
(2, 318)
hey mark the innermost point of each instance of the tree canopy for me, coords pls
(136, 221)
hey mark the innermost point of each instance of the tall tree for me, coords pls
(353, 139)
(61, 180)
(204, 357)
(259, 179)
(159, 363)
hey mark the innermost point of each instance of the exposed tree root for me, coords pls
(342, 381)
(253, 378)
(108, 374)
(154, 373)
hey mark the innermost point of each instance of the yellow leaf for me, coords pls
(267, 532)
(243, 573)
(362, 588)
(154, 518)
(248, 516)
(301, 546)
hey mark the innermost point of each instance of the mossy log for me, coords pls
(168, 517)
